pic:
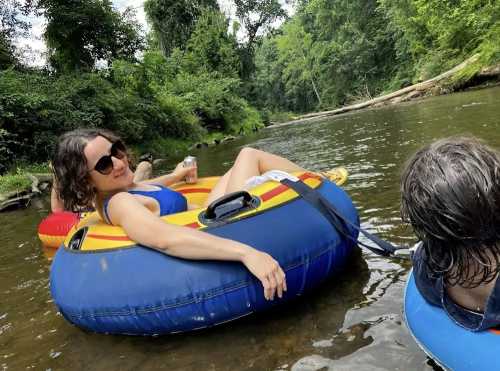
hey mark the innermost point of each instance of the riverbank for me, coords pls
(17, 190)
(466, 75)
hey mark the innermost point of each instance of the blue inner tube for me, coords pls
(449, 344)
(139, 291)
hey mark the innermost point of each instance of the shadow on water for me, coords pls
(353, 322)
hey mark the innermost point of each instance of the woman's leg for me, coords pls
(143, 171)
(219, 189)
(251, 162)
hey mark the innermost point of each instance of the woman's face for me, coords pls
(120, 176)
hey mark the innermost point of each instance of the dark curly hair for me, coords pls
(450, 194)
(70, 167)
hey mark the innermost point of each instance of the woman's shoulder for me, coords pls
(118, 201)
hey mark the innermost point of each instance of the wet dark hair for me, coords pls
(71, 169)
(450, 194)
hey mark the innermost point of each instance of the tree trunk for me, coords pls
(315, 90)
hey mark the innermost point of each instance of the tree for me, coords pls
(10, 27)
(211, 48)
(357, 54)
(297, 52)
(80, 33)
(267, 87)
(256, 16)
(6, 53)
(173, 20)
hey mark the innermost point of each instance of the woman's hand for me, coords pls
(180, 172)
(268, 271)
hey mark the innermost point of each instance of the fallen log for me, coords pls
(431, 86)
(410, 90)
(14, 203)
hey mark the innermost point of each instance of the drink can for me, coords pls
(193, 176)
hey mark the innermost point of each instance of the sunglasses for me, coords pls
(105, 163)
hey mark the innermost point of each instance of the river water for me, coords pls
(351, 322)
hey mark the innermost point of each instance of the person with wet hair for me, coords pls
(450, 194)
(91, 169)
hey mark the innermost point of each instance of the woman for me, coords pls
(91, 168)
(451, 196)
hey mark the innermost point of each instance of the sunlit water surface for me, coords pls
(352, 322)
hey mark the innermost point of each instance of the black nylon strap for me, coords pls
(336, 219)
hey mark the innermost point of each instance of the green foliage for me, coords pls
(277, 117)
(212, 99)
(166, 99)
(197, 88)
(26, 112)
(267, 88)
(80, 33)
(35, 109)
(251, 120)
(12, 25)
(328, 53)
(176, 98)
(17, 180)
(34, 168)
(174, 20)
(14, 182)
(456, 25)
(8, 146)
(489, 49)
(211, 48)
(434, 35)
(488, 53)
(295, 48)
(182, 122)
(257, 17)
(6, 53)
(335, 52)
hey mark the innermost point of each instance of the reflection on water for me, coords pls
(352, 322)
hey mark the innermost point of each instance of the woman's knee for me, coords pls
(143, 171)
(248, 152)
(227, 174)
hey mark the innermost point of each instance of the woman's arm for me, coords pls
(56, 204)
(179, 173)
(142, 226)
